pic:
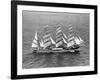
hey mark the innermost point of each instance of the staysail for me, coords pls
(35, 41)
(81, 40)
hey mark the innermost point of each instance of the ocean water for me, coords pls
(33, 60)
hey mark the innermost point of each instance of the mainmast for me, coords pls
(60, 37)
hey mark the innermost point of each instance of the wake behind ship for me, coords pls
(61, 44)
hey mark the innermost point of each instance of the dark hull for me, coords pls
(74, 47)
(56, 51)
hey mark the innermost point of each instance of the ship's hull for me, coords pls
(56, 51)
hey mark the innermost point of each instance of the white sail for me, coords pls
(59, 28)
(47, 44)
(65, 36)
(36, 37)
(70, 28)
(58, 37)
(70, 35)
(58, 32)
(81, 41)
(41, 44)
(35, 42)
(34, 45)
(64, 40)
(53, 42)
(50, 42)
(77, 41)
(71, 38)
(71, 43)
(46, 39)
(59, 44)
(47, 35)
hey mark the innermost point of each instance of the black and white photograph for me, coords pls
(54, 40)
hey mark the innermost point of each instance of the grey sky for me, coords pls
(33, 21)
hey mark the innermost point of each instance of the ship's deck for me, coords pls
(56, 51)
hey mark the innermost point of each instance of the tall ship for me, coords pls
(61, 43)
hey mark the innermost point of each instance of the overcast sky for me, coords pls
(33, 21)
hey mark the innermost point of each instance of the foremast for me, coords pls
(47, 39)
